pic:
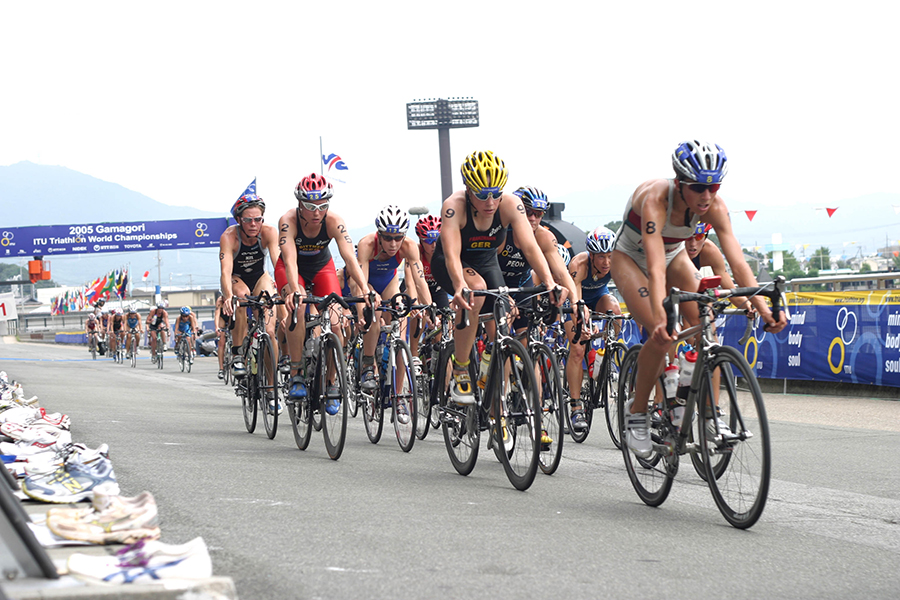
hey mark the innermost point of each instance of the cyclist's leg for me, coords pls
(240, 290)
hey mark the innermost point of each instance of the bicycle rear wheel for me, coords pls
(651, 477)
(517, 402)
(298, 412)
(353, 395)
(333, 390)
(587, 392)
(549, 385)
(741, 487)
(248, 401)
(459, 423)
(423, 392)
(373, 413)
(266, 375)
(609, 381)
(403, 396)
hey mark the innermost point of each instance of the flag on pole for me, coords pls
(146, 276)
(122, 285)
(251, 189)
(337, 168)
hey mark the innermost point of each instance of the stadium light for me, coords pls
(443, 115)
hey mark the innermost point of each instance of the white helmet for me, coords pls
(600, 241)
(392, 219)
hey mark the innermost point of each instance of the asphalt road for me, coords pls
(379, 523)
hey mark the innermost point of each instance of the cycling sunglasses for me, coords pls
(251, 220)
(486, 194)
(315, 207)
(699, 188)
(534, 213)
(391, 238)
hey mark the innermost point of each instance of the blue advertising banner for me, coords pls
(48, 240)
(851, 337)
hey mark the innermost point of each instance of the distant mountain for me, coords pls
(32, 194)
(50, 195)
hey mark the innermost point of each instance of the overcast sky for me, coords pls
(187, 102)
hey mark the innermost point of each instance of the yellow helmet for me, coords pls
(484, 171)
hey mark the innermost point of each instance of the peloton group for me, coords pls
(486, 238)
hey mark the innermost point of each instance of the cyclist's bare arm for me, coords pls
(409, 252)
(546, 241)
(226, 260)
(337, 230)
(721, 222)
(287, 232)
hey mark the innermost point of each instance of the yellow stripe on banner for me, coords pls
(858, 298)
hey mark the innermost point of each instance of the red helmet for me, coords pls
(245, 202)
(313, 187)
(429, 227)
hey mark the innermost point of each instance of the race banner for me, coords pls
(92, 238)
(851, 337)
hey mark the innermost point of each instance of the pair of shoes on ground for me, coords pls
(77, 480)
(147, 561)
(111, 519)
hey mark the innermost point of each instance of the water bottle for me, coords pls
(670, 385)
(483, 368)
(688, 360)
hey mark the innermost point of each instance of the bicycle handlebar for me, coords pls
(774, 291)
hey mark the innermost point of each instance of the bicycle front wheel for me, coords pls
(181, 351)
(134, 348)
(459, 422)
(549, 385)
(516, 400)
(353, 395)
(247, 392)
(333, 390)
(652, 476)
(423, 392)
(403, 395)
(740, 487)
(609, 378)
(268, 385)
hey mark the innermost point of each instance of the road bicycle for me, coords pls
(737, 461)
(92, 344)
(160, 351)
(184, 354)
(509, 408)
(325, 377)
(259, 388)
(601, 384)
(118, 355)
(396, 382)
(133, 344)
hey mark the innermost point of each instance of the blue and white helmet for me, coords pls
(532, 198)
(185, 310)
(600, 241)
(392, 219)
(700, 161)
(564, 253)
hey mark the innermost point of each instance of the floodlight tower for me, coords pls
(443, 115)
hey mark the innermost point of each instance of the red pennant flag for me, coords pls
(750, 214)
(896, 253)
(146, 275)
(830, 211)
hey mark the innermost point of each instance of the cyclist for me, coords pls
(379, 254)
(305, 233)
(135, 331)
(115, 329)
(92, 327)
(648, 258)
(103, 321)
(186, 324)
(517, 271)
(592, 270)
(474, 223)
(428, 230)
(157, 320)
(243, 249)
